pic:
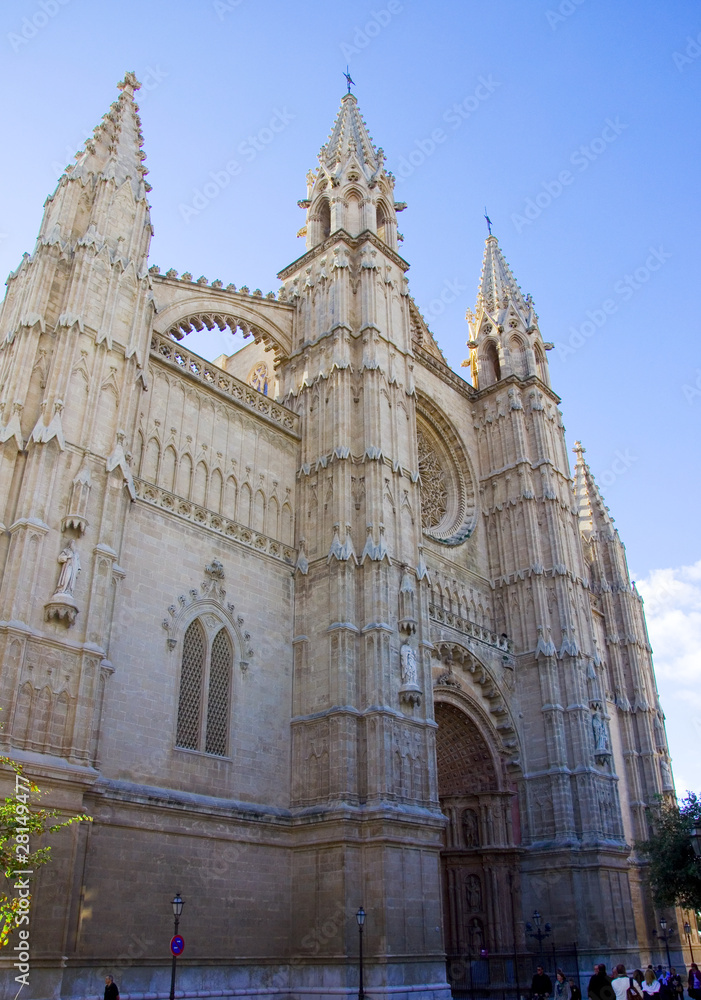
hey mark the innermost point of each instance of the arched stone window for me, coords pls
(325, 218)
(490, 369)
(381, 220)
(205, 691)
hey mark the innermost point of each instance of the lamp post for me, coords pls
(664, 936)
(687, 931)
(539, 934)
(177, 905)
(360, 917)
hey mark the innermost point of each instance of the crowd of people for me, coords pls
(638, 985)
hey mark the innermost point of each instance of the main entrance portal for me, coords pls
(481, 893)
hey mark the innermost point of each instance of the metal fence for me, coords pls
(508, 977)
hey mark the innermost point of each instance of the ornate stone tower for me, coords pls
(625, 679)
(569, 793)
(74, 323)
(363, 744)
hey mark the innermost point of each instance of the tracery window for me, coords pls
(259, 377)
(205, 691)
(434, 492)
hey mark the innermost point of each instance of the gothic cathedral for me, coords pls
(318, 626)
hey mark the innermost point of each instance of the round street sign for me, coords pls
(177, 945)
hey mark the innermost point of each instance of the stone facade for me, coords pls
(316, 626)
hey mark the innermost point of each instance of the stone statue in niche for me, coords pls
(667, 781)
(476, 936)
(660, 741)
(601, 740)
(409, 692)
(473, 893)
(63, 605)
(70, 568)
(470, 828)
(409, 671)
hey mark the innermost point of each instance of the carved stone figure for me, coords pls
(470, 828)
(601, 740)
(666, 771)
(476, 936)
(408, 660)
(70, 568)
(473, 893)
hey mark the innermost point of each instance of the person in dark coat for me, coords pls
(111, 990)
(599, 987)
(694, 987)
(541, 984)
(575, 992)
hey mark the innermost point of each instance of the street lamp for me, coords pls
(539, 934)
(360, 917)
(664, 936)
(177, 905)
(687, 931)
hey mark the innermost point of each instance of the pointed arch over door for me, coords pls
(480, 858)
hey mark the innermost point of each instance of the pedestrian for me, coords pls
(541, 984)
(651, 986)
(576, 993)
(562, 987)
(694, 987)
(674, 981)
(622, 983)
(111, 990)
(639, 977)
(599, 987)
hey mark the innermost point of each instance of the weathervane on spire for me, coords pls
(348, 80)
(489, 221)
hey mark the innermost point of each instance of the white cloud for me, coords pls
(673, 612)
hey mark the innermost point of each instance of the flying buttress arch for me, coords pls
(269, 323)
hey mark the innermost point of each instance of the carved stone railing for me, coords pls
(444, 617)
(205, 518)
(166, 349)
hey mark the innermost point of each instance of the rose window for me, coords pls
(446, 479)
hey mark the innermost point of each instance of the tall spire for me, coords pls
(497, 285)
(594, 517)
(113, 153)
(504, 335)
(350, 135)
(351, 167)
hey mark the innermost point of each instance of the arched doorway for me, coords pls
(481, 854)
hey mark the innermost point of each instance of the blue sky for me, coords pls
(575, 122)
